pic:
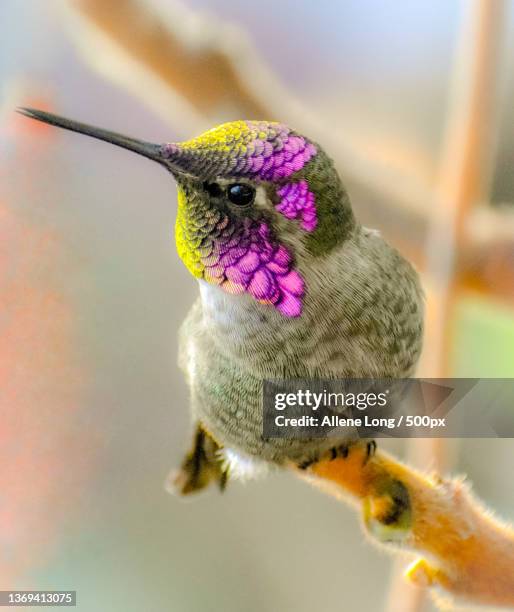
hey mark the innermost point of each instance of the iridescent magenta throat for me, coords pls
(251, 262)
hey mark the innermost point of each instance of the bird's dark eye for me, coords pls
(213, 189)
(240, 194)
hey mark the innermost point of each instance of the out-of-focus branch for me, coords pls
(466, 162)
(487, 263)
(204, 76)
(465, 551)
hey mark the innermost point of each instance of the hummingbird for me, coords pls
(291, 286)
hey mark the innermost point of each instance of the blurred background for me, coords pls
(415, 103)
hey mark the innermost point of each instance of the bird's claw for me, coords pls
(201, 466)
(388, 511)
(343, 451)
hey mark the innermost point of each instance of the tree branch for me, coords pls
(465, 550)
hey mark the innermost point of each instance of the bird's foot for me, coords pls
(201, 466)
(353, 466)
(343, 451)
(387, 512)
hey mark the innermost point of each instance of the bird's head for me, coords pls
(254, 198)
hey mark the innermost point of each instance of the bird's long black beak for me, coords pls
(147, 149)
